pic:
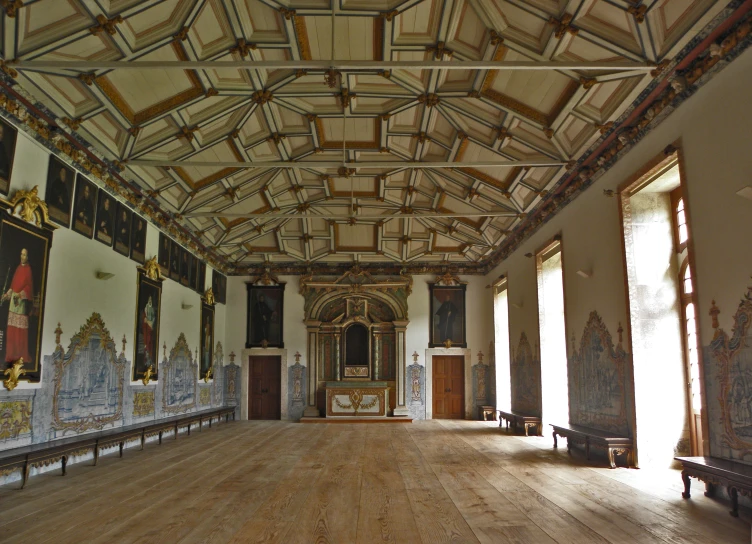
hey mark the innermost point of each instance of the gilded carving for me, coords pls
(143, 403)
(204, 396)
(15, 418)
(15, 371)
(28, 206)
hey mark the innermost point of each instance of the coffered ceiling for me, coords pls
(163, 123)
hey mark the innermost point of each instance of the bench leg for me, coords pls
(527, 427)
(709, 489)
(143, 440)
(176, 431)
(569, 446)
(160, 438)
(611, 457)
(96, 453)
(122, 444)
(687, 484)
(25, 476)
(540, 429)
(734, 502)
(556, 443)
(64, 463)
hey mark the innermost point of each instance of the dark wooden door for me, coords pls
(448, 387)
(264, 386)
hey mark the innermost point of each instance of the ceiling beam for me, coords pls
(345, 217)
(324, 65)
(336, 164)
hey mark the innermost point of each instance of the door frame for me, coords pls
(463, 352)
(245, 355)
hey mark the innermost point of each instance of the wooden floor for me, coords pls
(430, 482)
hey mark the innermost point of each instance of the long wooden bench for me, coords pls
(735, 477)
(27, 457)
(612, 443)
(520, 420)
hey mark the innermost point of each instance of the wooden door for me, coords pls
(448, 387)
(264, 388)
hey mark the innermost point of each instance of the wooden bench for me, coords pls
(612, 443)
(735, 477)
(36, 455)
(485, 411)
(520, 420)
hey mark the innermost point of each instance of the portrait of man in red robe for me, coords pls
(20, 296)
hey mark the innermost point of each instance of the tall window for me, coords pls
(501, 346)
(689, 321)
(554, 384)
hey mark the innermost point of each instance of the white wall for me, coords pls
(714, 128)
(73, 292)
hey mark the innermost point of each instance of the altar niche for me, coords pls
(356, 344)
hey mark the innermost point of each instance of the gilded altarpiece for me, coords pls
(363, 307)
(88, 381)
(597, 391)
(729, 385)
(179, 389)
(525, 377)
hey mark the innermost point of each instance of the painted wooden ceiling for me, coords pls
(462, 116)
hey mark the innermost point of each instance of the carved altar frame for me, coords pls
(319, 291)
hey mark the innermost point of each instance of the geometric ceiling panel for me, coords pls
(329, 210)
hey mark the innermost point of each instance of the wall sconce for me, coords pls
(185, 306)
(103, 275)
(584, 273)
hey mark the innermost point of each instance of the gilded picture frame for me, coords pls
(447, 322)
(24, 262)
(146, 328)
(206, 345)
(265, 316)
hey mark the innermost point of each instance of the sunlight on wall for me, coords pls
(657, 347)
(554, 390)
(501, 348)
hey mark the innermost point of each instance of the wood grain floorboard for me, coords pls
(428, 482)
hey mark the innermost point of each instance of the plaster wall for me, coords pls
(479, 327)
(713, 129)
(73, 293)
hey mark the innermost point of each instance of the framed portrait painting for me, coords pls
(206, 353)
(24, 258)
(447, 316)
(123, 220)
(192, 275)
(8, 137)
(163, 255)
(138, 239)
(265, 316)
(185, 267)
(219, 287)
(200, 276)
(146, 333)
(84, 206)
(175, 251)
(59, 193)
(104, 228)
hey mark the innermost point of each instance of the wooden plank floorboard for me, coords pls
(429, 482)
